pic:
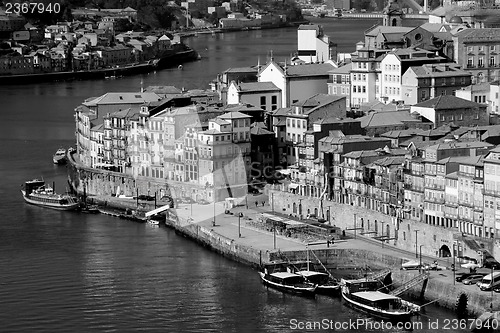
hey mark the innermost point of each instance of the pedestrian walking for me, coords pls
(263, 203)
(256, 203)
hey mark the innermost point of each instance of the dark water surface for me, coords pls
(65, 272)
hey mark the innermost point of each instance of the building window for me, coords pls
(480, 62)
(470, 62)
(263, 102)
(492, 61)
(274, 102)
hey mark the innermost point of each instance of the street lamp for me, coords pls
(274, 235)
(420, 256)
(416, 243)
(239, 225)
(300, 209)
(213, 222)
(272, 201)
(354, 225)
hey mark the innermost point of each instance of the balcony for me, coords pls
(435, 200)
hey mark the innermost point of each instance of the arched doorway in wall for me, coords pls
(388, 230)
(294, 209)
(394, 22)
(444, 251)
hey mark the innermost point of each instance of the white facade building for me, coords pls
(312, 44)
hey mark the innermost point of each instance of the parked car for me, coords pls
(473, 279)
(471, 265)
(412, 264)
(146, 197)
(188, 200)
(434, 267)
(463, 276)
(496, 289)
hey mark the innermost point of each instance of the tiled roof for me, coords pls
(473, 160)
(127, 113)
(316, 101)
(98, 128)
(334, 120)
(390, 160)
(242, 108)
(234, 115)
(387, 29)
(123, 98)
(282, 111)
(346, 69)
(439, 70)
(308, 27)
(447, 102)
(309, 69)
(361, 154)
(247, 69)
(257, 130)
(402, 133)
(435, 27)
(211, 131)
(387, 118)
(453, 145)
(488, 34)
(219, 121)
(257, 86)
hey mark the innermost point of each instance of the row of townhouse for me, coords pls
(449, 190)
(413, 72)
(171, 140)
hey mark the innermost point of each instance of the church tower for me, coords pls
(393, 15)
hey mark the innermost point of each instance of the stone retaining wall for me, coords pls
(219, 243)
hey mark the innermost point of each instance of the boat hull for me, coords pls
(59, 160)
(402, 316)
(69, 206)
(308, 292)
(328, 290)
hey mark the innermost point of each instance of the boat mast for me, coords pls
(307, 251)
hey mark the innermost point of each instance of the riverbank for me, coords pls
(238, 239)
(169, 59)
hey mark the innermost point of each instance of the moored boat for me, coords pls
(325, 283)
(288, 282)
(363, 295)
(60, 156)
(36, 193)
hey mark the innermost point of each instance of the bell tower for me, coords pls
(393, 15)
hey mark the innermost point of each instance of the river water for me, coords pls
(65, 272)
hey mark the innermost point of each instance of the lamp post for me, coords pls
(420, 249)
(239, 225)
(416, 243)
(491, 304)
(272, 201)
(354, 225)
(213, 222)
(274, 235)
(453, 267)
(300, 209)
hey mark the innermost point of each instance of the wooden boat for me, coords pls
(363, 295)
(325, 283)
(36, 193)
(60, 156)
(288, 282)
